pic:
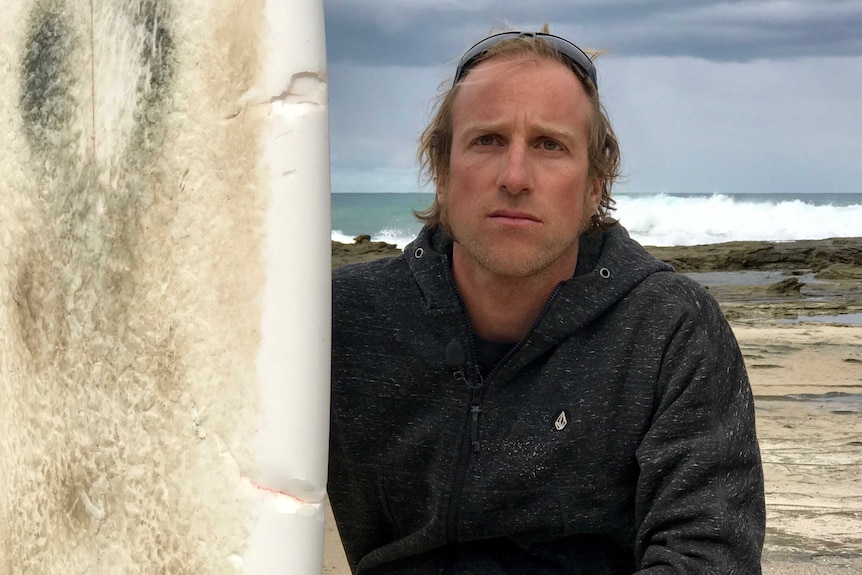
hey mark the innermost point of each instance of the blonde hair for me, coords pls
(435, 143)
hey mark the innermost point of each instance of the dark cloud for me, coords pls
(736, 96)
(434, 32)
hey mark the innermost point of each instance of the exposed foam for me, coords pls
(128, 285)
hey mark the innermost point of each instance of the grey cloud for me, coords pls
(392, 32)
(746, 96)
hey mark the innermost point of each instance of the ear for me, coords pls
(595, 195)
(440, 190)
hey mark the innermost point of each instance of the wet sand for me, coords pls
(807, 381)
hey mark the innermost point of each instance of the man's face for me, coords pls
(518, 194)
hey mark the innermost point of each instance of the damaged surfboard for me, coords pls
(164, 286)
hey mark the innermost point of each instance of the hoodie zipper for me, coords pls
(518, 345)
(474, 380)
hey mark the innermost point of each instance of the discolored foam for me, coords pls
(132, 216)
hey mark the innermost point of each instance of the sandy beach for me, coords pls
(806, 375)
(807, 381)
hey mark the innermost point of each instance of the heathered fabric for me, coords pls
(653, 467)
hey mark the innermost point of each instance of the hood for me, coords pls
(610, 265)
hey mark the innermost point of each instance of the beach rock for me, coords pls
(790, 286)
(361, 250)
(815, 255)
(841, 271)
(836, 256)
(835, 264)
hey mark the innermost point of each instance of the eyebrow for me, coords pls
(480, 127)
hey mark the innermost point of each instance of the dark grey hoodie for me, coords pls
(617, 437)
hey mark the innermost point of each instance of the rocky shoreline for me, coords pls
(752, 281)
(833, 258)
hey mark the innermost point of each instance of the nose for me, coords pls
(515, 173)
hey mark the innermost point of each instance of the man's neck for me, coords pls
(503, 309)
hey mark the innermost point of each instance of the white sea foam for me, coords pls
(339, 236)
(666, 220)
(658, 220)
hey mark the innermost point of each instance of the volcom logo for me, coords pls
(561, 421)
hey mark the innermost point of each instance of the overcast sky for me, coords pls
(705, 97)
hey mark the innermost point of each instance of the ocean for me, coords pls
(653, 220)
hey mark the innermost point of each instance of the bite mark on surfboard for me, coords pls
(300, 499)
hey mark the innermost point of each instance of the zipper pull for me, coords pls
(475, 410)
(476, 381)
(456, 359)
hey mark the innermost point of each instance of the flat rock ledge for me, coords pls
(839, 254)
(361, 250)
(835, 257)
(802, 278)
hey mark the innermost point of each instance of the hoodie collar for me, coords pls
(610, 264)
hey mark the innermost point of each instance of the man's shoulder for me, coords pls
(649, 276)
(362, 283)
(370, 271)
(675, 283)
(675, 289)
(674, 300)
(388, 270)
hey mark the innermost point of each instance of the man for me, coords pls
(526, 390)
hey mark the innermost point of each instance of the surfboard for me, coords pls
(164, 286)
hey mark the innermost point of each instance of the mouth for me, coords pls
(514, 217)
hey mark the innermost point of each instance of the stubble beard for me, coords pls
(526, 262)
(531, 262)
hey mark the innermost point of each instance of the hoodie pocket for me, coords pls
(409, 502)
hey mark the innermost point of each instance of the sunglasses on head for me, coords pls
(571, 53)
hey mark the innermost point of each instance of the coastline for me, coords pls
(796, 310)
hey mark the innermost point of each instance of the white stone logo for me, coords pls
(561, 421)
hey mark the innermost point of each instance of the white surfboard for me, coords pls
(164, 286)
